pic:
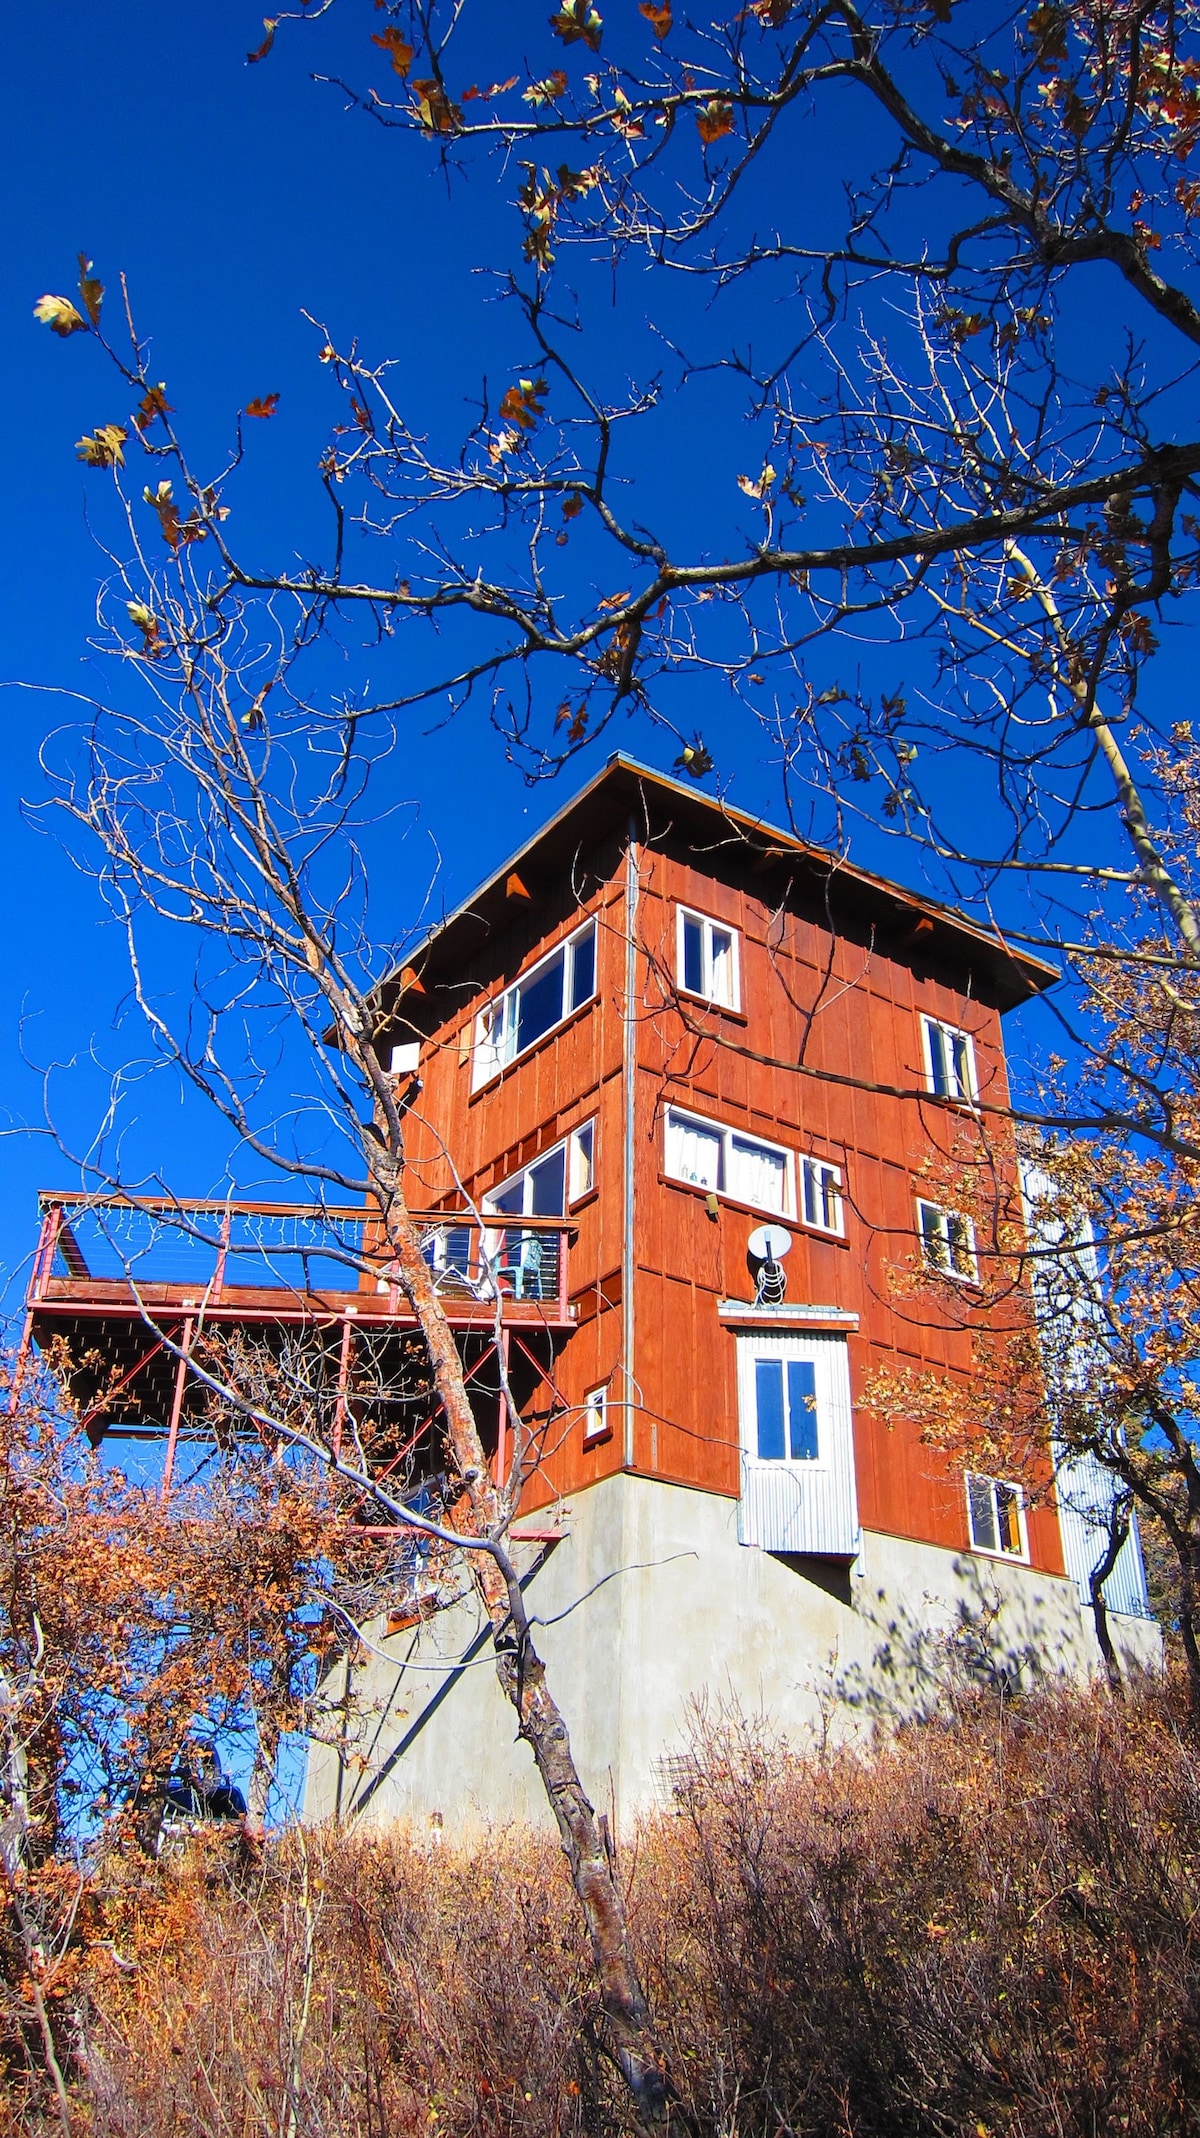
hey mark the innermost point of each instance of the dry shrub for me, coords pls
(985, 1927)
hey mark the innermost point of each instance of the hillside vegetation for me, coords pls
(987, 1926)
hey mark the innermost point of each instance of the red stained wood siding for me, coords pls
(832, 992)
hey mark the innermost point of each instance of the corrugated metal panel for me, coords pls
(807, 1507)
(1068, 1303)
(1086, 1492)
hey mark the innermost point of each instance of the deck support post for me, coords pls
(176, 1409)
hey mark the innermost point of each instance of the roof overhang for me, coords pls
(632, 799)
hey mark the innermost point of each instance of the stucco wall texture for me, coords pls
(655, 1624)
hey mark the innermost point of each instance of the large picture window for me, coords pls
(544, 1189)
(727, 1162)
(708, 959)
(527, 1011)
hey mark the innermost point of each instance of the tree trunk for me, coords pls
(1118, 1530)
(629, 2031)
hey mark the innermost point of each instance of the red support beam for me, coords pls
(176, 1410)
(89, 1417)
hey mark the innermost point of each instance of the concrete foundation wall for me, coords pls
(691, 1623)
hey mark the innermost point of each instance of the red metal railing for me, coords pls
(218, 1256)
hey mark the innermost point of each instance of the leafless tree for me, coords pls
(947, 468)
(233, 835)
(941, 453)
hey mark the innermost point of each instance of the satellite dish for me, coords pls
(770, 1243)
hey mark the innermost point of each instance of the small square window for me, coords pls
(949, 1062)
(707, 960)
(821, 1195)
(996, 1517)
(948, 1242)
(595, 1416)
(581, 1166)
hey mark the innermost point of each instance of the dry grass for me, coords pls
(988, 1927)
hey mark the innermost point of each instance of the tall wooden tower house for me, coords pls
(680, 1091)
(726, 1064)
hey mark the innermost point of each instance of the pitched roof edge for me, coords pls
(1036, 972)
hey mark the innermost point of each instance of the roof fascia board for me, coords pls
(1038, 973)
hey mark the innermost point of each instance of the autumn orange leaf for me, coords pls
(91, 291)
(760, 488)
(270, 25)
(60, 315)
(104, 447)
(263, 408)
(714, 121)
(164, 504)
(434, 109)
(398, 49)
(147, 623)
(522, 403)
(572, 505)
(577, 23)
(660, 19)
(614, 601)
(494, 89)
(153, 403)
(548, 90)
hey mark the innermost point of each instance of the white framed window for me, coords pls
(949, 1061)
(707, 962)
(948, 1242)
(728, 1162)
(581, 1162)
(786, 1425)
(595, 1415)
(996, 1518)
(529, 1009)
(545, 1189)
(821, 1195)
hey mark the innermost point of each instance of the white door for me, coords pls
(797, 1445)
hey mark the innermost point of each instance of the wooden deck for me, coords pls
(123, 1289)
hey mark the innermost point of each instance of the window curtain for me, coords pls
(758, 1176)
(693, 1153)
(721, 988)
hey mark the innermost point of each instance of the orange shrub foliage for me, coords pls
(986, 1927)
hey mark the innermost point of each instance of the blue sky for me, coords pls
(236, 198)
